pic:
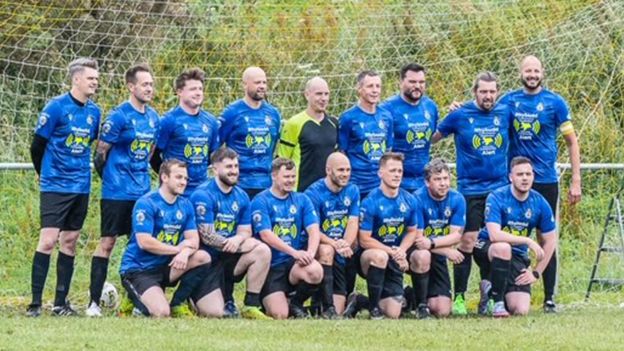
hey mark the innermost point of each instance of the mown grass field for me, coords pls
(586, 328)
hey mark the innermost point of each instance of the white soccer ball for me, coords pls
(110, 296)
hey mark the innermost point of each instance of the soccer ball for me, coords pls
(110, 296)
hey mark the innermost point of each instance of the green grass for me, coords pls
(584, 328)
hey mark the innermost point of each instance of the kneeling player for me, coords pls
(442, 212)
(222, 210)
(286, 220)
(511, 213)
(337, 203)
(163, 250)
(387, 230)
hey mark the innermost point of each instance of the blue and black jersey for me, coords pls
(164, 221)
(536, 120)
(253, 134)
(287, 218)
(437, 216)
(481, 146)
(365, 137)
(389, 218)
(70, 127)
(413, 127)
(334, 209)
(517, 217)
(189, 138)
(131, 135)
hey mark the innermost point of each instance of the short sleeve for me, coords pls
(189, 224)
(244, 216)
(458, 218)
(288, 140)
(214, 138)
(367, 215)
(493, 210)
(48, 118)
(547, 219)
(310, 216)
(343, 132)
(448, 124)
(143, 218)
(112, 127)
(562, 112)
(203, 207)
(260, 215)
(225, 124)
(354, 196)
(164, 132)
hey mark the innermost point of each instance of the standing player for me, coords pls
(365, 133)
(287, 222)
(61, 155)
(251, 127)
(538, 114)
(337, 203)
(443, 213)
(188, 133)
(162, 250)
(310, 136)
(222, 209)
(481, 132)
(388, 228)
(122, 161)
(415, 117)
(512, 212)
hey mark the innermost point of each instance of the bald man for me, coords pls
(538, 114)
(251, 127)
(337, 203)
(311, 135)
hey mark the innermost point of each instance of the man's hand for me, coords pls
(454, 106)
(303, 257)
(345, 252)
(455, 256)
(398, 254)
(526, 277)
(422, 243)
(574, 193)
(180, 260)
(539, 252)
(232, 244)
(403, 264)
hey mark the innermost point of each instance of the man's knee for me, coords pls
(159, 311)
(325, 254)
(500, 250)
(314, 273)
(420, 261)
(375, 257)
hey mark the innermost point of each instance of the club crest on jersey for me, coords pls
(402, 208)
(140, 217)
(471, 120)
(427, 115)
(179, 214)
(496, 121)
(486, 212)
(246, 119)
(508, 209)
(528, 214)
(185, 125)
(235, 206)
(151, 123)
(430, 211)
(43, 119)
(293, 209)
(268, 120)
(204, 128)
(540, 107)
(382, 125)
(107, 127)
(257, 217)
(405, 115)
(447, 212)
(347, 201)
(161, 213)
(89, 119)
(201, 210)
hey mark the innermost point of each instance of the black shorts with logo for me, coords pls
(277, 280)
(439, 278)
(116, 217)
(137, 283)
(518, 263)
(475, 208)
(65, 211)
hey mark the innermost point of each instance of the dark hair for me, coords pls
(364, 74)
(166, 166)
(486, 76)
(519, 160)
(280, 162)
(436, 166)
(222, 153)
(79, 64)
(131, 73)
(191, 74)
(396, 156)
(414, 67)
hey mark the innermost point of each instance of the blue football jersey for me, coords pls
(334, 209)
(481, 146)
(413, 127)
(517, 217)
(287, 218)
(536, 120)
(387, 218)
(190, 139)
(70, 128)
(437, 216)
(253, 134)
(131, 135)
(365, 137)
(164, 221)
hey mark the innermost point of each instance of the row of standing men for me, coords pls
(524, 122)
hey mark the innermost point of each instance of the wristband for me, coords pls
(536, 274)
(433, 245)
